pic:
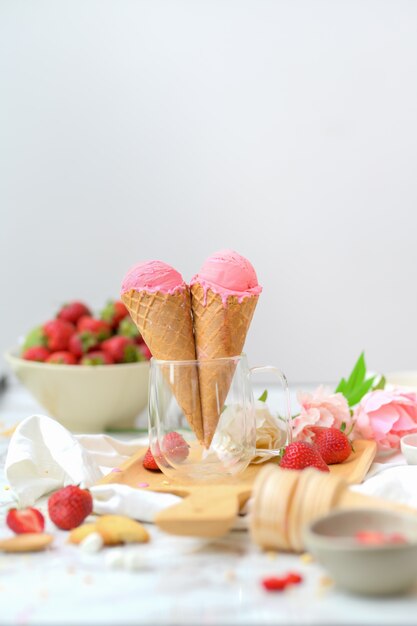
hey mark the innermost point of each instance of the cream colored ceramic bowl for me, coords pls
(85, 398)
(365, 569)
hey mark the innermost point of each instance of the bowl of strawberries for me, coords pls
(90, 372)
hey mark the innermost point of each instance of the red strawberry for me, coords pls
(300, 454)
(275, 583)
(27, 520)
(114, 312)
(62, 357)
(149, 461)
(175, 447)
(57, 334)
(72, 311)
(96, 357)
(69, 507)
(293, 578)
(145, 351)
(121, 349)
(332, 443)
(36, 353)
(100, 328)
(80, 343)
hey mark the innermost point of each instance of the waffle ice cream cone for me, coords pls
(164, 319)
(221, 318)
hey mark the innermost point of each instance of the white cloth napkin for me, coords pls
(391, 479)
(43, 456)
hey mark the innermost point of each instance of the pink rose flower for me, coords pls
(320, 408)
(386, 416)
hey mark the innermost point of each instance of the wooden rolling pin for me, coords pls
(285, 501)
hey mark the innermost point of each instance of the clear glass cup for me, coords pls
(220, 390)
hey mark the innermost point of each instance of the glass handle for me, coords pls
(287, 406)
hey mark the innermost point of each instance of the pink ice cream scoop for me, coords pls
(153, 276)
(227, 273)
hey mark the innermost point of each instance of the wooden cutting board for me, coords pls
(210, 510)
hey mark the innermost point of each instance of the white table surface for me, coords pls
(183, 581)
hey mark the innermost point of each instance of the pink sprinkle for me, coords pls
(143, 484)
(116, 469)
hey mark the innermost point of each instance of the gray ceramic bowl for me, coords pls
(365, 569)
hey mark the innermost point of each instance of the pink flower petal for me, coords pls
(321, 408)
(405, 421)
(375, 400)
(383, 420)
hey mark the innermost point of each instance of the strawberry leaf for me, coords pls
(128, 328)
(131, 354)
(107, 314)
(35, 337)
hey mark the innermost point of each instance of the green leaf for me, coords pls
(36, 337)
(107, 314)
(341, 386)
(357, 394)
(127, 328)
(131, 354)
(358, 373)
(381, 383)
(263, 397)
(357, 385)
(343, 427)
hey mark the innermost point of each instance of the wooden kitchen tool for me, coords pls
(210, 510)
(285, 501)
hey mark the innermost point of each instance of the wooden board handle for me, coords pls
(210, 512)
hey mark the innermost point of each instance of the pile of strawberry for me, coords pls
(328, 446)
(76, 337)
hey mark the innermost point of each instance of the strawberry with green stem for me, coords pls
(82, 342)
(114, 312)
(333, 444)
(100, 328)
(36, 353)
(54, 335)
(68, 507)
(72, 311)
(96, 357)
(62, 357)
(300, 454)
(128, 328)
(122, 349)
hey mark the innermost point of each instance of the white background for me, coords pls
(132, 130)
